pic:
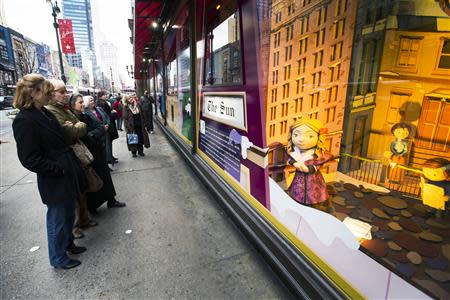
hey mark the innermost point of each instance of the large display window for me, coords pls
(337, 131)
(331, 119)
(178, 77)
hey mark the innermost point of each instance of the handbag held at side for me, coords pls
(132, 138)
(82, 153)
(95, 183)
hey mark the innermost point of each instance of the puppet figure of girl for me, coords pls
(306, 155)
(398, 153)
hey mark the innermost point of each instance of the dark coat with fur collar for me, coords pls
(41, 149)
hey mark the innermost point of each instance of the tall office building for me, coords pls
(79, 11)
(108, 57)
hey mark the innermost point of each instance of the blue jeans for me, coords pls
(60, 218)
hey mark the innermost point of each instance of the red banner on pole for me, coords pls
(66, 36)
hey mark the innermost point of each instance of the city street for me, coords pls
(171, 240)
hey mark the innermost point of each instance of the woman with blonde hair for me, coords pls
(307, 154)
(42, 149)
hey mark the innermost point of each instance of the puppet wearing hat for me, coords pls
(306, 152)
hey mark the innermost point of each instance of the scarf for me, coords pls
(134, 108)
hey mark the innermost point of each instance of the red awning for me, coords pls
(145, 13)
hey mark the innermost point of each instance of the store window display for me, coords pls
(307, 154)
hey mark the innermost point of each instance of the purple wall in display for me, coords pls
(259, 188)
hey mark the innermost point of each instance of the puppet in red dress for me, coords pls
(306, 152)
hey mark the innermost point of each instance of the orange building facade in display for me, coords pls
(309, 60)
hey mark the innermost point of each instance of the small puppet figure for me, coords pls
(306, 155)
(398, 153)
(435, 183)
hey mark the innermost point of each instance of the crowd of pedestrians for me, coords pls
(67, 142)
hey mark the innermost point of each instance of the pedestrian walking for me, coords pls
(97, 132)
(146, 102)
(136, 122)
(42, 149)
(112, 130)
(73, 131)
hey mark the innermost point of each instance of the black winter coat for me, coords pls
(41, 149)
(94, 141)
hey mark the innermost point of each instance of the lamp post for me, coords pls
(130, 71)
(55, 12)
(112, 81)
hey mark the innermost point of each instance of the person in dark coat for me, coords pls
(146, 102)
(136, 121)
(95, 140)
(102, 102)
(41, 148)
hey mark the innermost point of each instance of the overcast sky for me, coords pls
(33, 19)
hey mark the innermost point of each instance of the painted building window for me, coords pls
(396, 101)
(287, 72)
(304, 25)
(289, 33)
(285, 90)
(283, 127)
(336, 51)
(434, 126)
(318, 59)
(341, 7)
(321, 15)
(291, 9)
(369, 68)
(276, 39)
(275, 77)
(339, 28)
(276, 58)
(223, 51)
(314, 99)
(317, 79)
(330, 114)
(444, 58)
(319, 37)
(408, 51)
(278, 17)
(301, 66)
(287, 53)
(298, 105)
(303, 46)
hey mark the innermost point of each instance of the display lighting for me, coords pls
(155, 24)
(360, 229)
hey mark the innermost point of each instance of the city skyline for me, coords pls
(43, 32)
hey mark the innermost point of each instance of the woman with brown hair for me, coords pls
(95, 141)
(136, 122)
(42, 149)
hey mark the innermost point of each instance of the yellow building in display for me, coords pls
(414, 87)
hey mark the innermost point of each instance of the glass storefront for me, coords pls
(332, 120)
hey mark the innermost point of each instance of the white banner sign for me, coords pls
(226, 108)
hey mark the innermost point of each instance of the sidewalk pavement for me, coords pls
(181, 245)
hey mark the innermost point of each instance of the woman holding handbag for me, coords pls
(73, 130)
(42, 149)
(84, 108)
(136, 123)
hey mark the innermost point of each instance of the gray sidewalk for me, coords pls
(182, 244)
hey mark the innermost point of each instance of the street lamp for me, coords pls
(55, 12)
(112, 80)
(130, 71)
